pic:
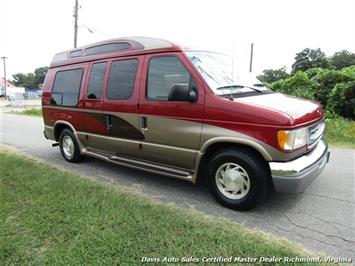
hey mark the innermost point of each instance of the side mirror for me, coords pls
(182, 92)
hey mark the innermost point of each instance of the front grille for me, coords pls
(315, 133)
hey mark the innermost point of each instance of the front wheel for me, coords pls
(237, 178)
(69, 146)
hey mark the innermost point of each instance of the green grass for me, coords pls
(31, 112)
(28, 111)
(340, 132)
(50, 216)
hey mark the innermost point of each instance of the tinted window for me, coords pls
(96, 79)
(121, 81)
(106, 48)
(163, 73)
(60, 57)
(76, 53)
(66, 87)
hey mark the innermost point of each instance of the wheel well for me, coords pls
(216, 147)
(58, 129)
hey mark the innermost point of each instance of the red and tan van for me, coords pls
(152, 105)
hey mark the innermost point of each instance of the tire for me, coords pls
(69, 147)
(237, 178)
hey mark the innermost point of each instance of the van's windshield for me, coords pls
(218, 71)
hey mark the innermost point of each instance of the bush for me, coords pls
(342, 99)
(349, 72)
(298, 85)
(327, 79)
(334, 89)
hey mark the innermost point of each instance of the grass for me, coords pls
(50, 216)
(29, 111)
(340, 132)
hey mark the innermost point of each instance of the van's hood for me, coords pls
(301, 111)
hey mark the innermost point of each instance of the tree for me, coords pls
(30, 80)
(310, 58)
(272, 75)
(342, 59)
(19, 79)
(40, 74)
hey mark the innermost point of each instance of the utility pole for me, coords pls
(251, 57)
(75, 15)
(5, 80)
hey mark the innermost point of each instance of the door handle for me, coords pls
(108, 122)
(144, 124)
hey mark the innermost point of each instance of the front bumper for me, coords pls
(294, 176)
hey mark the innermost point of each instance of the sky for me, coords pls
(31, 32)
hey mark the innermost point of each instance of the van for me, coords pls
(152, 105)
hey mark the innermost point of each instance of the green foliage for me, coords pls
(312, 72)
(30, 80)
(327, 79)
(29, 111)
(343, 59)
(342, 99)
(349, 72)
(334, 89)
(310, 58)
(40, 74)
(19, 79)
(273, 75)
(298, 85)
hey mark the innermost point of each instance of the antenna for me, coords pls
(232, 62)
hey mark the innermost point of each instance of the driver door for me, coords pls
(171, 129)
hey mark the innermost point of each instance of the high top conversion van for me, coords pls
(149, 104)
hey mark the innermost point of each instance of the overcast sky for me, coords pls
(31, 32)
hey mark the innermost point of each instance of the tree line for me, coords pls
(30, 80)
(314, 76)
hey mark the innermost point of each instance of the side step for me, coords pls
(145, 166)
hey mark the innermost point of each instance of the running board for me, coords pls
(145, 166)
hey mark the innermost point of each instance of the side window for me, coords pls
(66, 87)
(121, 80)
(163, 73)
(106, 48)
(96, 79)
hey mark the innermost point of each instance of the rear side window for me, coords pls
(121, 80)
(66, 87)
(164, 72)
(106, 48)
(96, 79)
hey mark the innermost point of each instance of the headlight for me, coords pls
(292, 139)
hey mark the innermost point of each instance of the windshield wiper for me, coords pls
(239, 87)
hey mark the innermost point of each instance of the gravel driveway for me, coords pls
(322, 218)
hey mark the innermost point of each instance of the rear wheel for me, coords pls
(237, 178)
(69, 146)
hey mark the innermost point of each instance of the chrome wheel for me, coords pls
(68, 147)
(232, 181)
